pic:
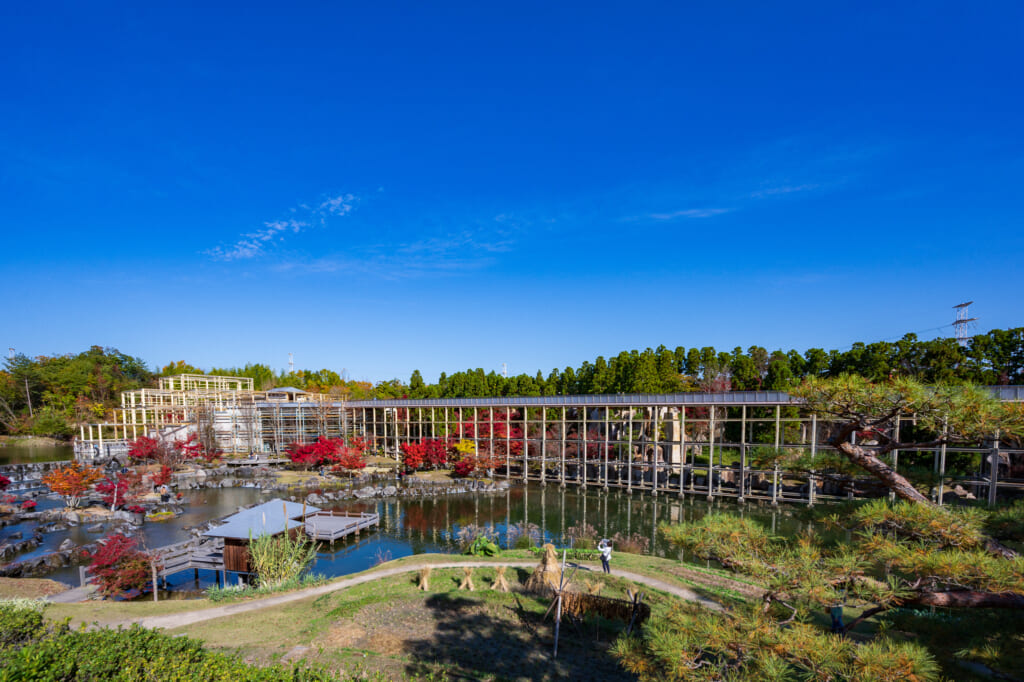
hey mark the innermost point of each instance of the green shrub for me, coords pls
(574, 554)
(20, 621)
(524, 542)
(239, 592)
(482, 546)
(135, 654)
(280, 558)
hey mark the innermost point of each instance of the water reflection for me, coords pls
(25, 454)
(416, 526)
(433, 524)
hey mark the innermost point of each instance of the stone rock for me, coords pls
(960, 492)
(366, 492)
(957, 494)
(66, 545)
(72, 517)
(227, 483)
(389, 491)
(17, 535)
(95, 528)
(54, 560)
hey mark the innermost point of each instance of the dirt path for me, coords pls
(177, 620)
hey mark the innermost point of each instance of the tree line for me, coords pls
(50, 395)
(994, 358)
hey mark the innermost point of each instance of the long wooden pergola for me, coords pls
(711, 444)
(682, 444)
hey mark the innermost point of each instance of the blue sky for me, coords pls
(450, 186)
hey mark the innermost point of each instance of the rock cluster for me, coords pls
(385, 491)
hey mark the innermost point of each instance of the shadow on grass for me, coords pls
(504, 636)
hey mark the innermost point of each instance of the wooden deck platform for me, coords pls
(335, 525)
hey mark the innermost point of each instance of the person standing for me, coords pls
(606, 554)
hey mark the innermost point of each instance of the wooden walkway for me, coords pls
(254, 461)
(335, 525)
(177, 620)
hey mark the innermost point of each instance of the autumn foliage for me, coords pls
(429, 452)
(307, 455)
(4, 482)
(144, 447)
(72, 481)
(192, 448)
(118, 566)
(348, 459)
(329, 451)
(170, 454)
(120, 489)
(161, 477)
(473, 459)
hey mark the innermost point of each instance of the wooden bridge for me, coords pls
(195, 555)
(208, 553)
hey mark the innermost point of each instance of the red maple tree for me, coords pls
(323, 451)
(348, 460)
(413, 456)
(118, 566)
(192, 448)
(161, 452)
(429, 452)
(120, 489)
(72, 481)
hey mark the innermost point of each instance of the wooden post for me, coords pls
(526, 444)
(581, 453)
(156, 587)
(561, 447)
(606, 446)
(814, 451)
(942, 470)
(654, 453)
(743, 453)
(993, 475)
(711, 452)
(543, 446)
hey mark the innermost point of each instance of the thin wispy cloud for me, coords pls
(783, 189)
(259, 242)
(688, 213)
(446, 254)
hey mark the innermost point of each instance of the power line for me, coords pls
(897, 338)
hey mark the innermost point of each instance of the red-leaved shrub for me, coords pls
(118, 566)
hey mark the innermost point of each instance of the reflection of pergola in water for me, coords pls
(708, 444)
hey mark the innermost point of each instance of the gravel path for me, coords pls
(177, 620)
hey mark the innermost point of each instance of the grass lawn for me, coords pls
(443, 475)
(288, 477)
(110, 612)
(391, 626)
(29, 588)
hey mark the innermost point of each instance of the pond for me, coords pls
(13, 453)
(415, 526)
